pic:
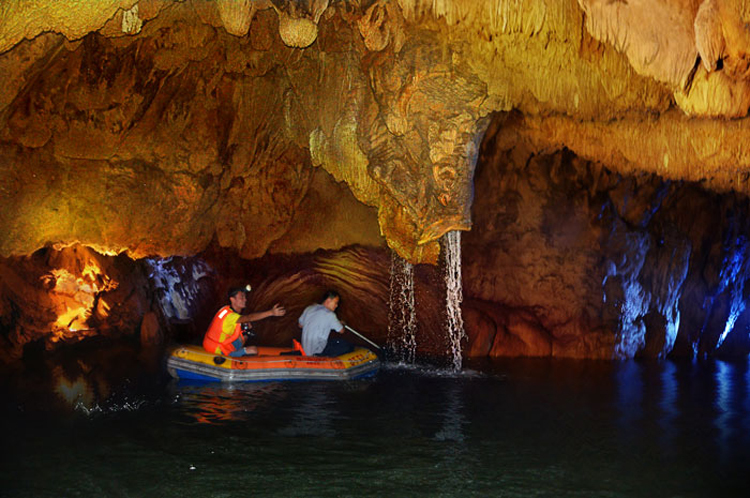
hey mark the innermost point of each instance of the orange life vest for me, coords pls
(223, 330)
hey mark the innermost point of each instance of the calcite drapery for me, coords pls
(162, 127)
(390, 97)
(236, 15)
(382, 24)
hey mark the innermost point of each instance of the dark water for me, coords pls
(506, 429)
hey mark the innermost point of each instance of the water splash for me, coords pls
(402, 316)
(454, 295)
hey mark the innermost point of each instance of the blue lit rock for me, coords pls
(168, 129)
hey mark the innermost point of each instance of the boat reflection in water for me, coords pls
(511, 428)
(216, 403)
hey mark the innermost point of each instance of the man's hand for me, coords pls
(246, 330)
(278, 310)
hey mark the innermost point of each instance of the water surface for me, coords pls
(515, 428)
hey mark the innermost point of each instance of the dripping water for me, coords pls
(454, 296)
(402, 317)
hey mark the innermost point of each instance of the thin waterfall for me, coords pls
(454, 295)
(402, 317)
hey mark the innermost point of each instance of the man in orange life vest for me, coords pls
(225, 334)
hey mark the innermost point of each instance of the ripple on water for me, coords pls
(546, 428)
(425, 370)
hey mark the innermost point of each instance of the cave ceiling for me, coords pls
(159, 126)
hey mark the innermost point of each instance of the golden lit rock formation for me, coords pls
(156, 126)
(65, 296)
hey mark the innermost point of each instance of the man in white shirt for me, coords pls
(317, 321)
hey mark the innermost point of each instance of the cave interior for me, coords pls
(593, 156)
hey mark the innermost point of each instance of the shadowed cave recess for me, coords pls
(161, 151)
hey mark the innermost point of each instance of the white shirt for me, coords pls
(317, 321)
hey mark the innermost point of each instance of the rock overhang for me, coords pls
(218, 110)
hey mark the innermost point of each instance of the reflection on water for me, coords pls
(728, 421)
(668, 405)
(76, 392)
(723, 421)
(630, 391)
(313, 415)
(512, 428)
(453, 416)
(210, 403)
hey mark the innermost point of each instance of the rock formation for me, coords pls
(161, 128)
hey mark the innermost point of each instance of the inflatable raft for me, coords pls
(194, 363)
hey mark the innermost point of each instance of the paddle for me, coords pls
(347, 327)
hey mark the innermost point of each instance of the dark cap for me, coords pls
(235, 290)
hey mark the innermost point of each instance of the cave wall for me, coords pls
(566, 259)
(199, 133)
(569, 258)
(62, 296)
(199, 118)
(55, 298)
(606, 214)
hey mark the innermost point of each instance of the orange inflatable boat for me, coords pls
(194, 363)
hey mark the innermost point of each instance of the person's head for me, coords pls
(238, 297)
(331, 300)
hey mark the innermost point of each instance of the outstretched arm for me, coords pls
(277, 310)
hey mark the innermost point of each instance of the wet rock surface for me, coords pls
(589, 263)
(566, 259)
(202, 119)
(601, 185)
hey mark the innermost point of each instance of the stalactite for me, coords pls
(237, 15)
